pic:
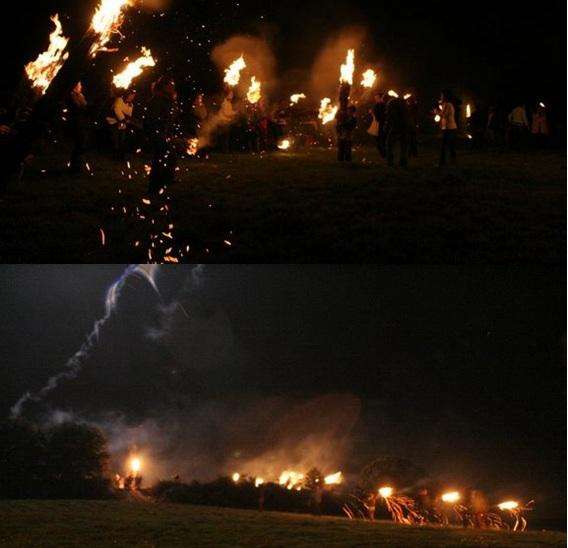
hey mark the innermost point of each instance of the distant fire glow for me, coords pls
(135, 465)
(393, 93)
(284, 144)
(452, 497)
(508, 505)
(327, 111)
(236, 477)
(333, 479)
(386, 492)
(295, 98)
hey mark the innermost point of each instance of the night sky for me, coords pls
(459, 369)
(495, 50)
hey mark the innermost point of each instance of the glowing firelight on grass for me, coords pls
(134, 69)
(327, 111)
(451, 497)
(45, 68)
(369, 78)
(254, 93)
(107, 21)
(233, 73)
(348, 68)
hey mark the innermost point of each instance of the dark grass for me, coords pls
(301, 207)
(132, 523)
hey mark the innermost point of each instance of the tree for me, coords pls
(78, 460)
(22, 460)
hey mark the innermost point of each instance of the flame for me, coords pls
(291, 479)
(258, 482)
(134, 69)
(386, 492)
(542, 105)
(254, 94)
(369, 78)
(135, 465)
(327, 111)
(437, 118)
(333, 479)
(284, 144)
(107, 20)
(348, 68)
(393, 93)
(508, 505)
(233, 73)
(295, 98)
(468, 111)
(45, 68)
(407, 96)
(236, 477)
(452, 496)
(192, 146)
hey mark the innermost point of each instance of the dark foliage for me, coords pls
(63, 461)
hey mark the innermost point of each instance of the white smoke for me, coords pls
(74, 364)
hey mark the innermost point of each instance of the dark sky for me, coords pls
(457, 368)
(489, 48)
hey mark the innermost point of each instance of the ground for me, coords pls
(133, 523)
(298, 206)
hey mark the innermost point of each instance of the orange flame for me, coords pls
(284, 144)
(508, 505)
(107, 20)
(386, 492)
(291, 479)
(233, 73)
(134, 69)
(295, 98)
(333, 479)
(327, 111)
(44, 69)
(452, 496)
(369, 78)
(192, 147)
(348, 68)
(254, 93)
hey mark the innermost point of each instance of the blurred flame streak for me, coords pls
(134, 69)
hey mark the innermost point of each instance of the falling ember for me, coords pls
(369, 78)
(258, 482)
(254, 93)
(327, 111)
(284, 144)
(103, 237)
(333, 479)
(107, 20)
(135, 465)
(45, 68)
(236, 477)
(452, 496)
(386, 492)
(508, 505)
(192, 146)
(295, 98)
(233, 73)
(393, 93)
(468, 111)
(348, 68)
(134, 69)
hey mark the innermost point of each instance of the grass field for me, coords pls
(300, 207)
(131, 523)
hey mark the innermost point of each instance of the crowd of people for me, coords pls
(228, 123)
